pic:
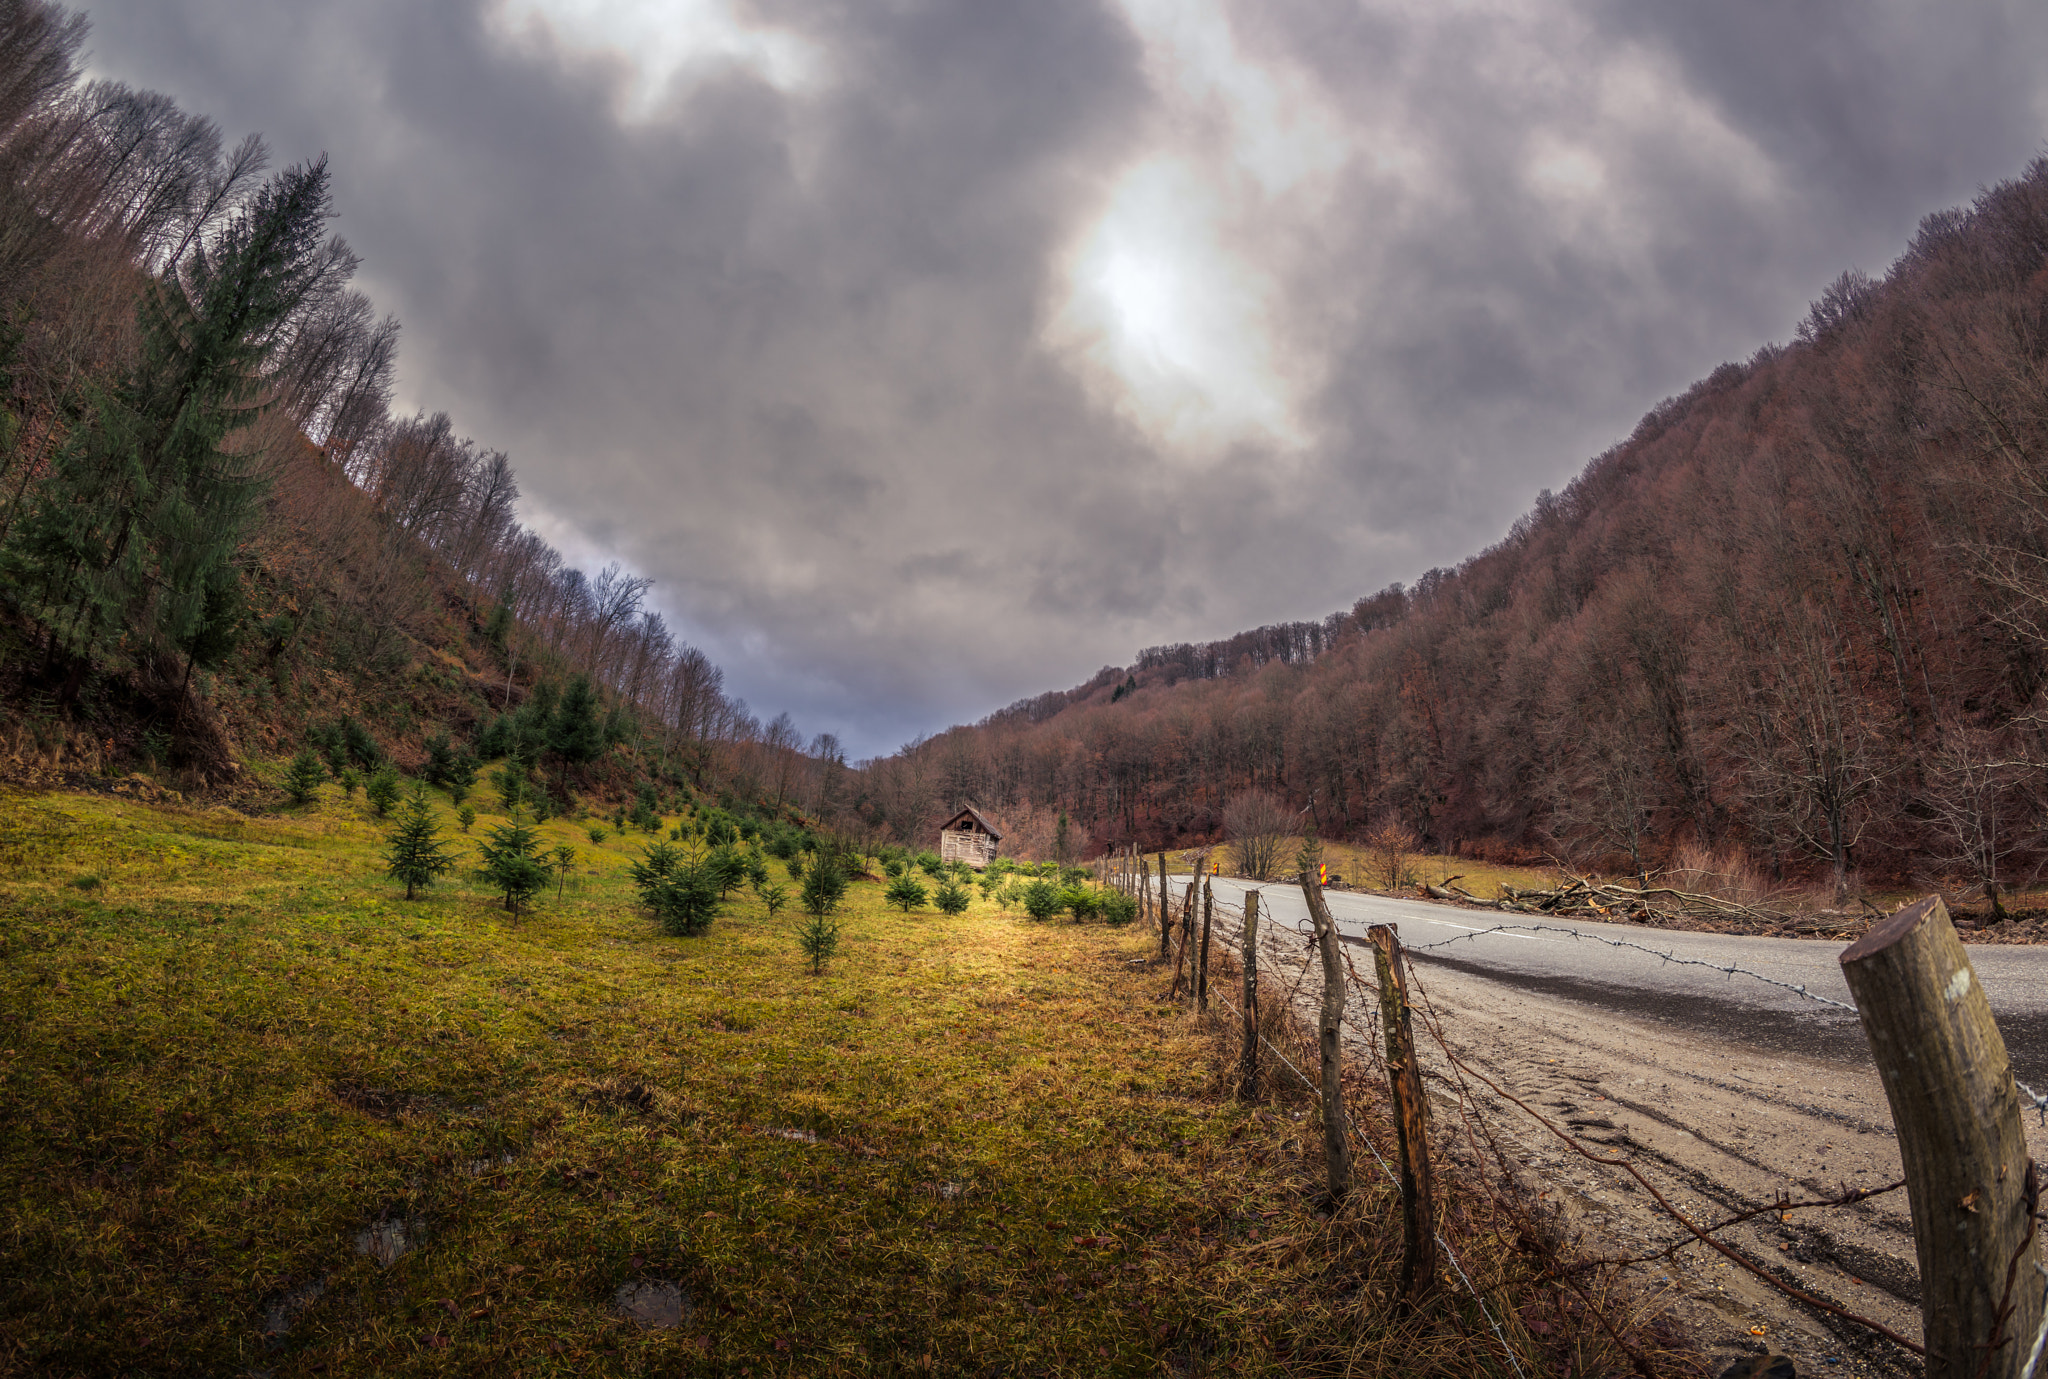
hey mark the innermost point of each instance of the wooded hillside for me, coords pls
(214, 535)
(1801, 614)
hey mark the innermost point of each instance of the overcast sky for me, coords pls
(929, 355)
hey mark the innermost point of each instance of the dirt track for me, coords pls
(1717, 1127)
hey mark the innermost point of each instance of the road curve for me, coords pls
(1724, 1090)
(1634, 982)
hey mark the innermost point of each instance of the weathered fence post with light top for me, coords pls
(1957, 1114)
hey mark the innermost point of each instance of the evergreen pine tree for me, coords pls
(574, 733)
(685, 901)
(461, 775)
(656, 862)
(951, 898)
(440, 759)
(1042, 899)
(818, 939)
(132, 533)
(494, 739)
(304, 776)
(529, 725)
(727, 868)
(511, 862)
(382, 790)
(907, 893)
(824, 887)
(498, 627)
(362, 749)
(416, 854)
(511, 783)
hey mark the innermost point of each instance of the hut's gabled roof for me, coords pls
(970, 812)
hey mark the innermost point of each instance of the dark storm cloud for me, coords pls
(792, 352)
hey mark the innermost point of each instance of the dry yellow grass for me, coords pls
(1359, 869)
(265, 1115)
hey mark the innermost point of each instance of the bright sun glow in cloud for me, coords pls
(1170, 308)
(661, 38)
(1168, 322)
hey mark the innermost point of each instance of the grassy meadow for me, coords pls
(263, 1115)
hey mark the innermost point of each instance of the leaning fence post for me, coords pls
(1248, 1062)
(1404, 1080)
(1184, 955)
(1202, 968)
(1336, 1139)
(1165, 911)
(1957, 1114)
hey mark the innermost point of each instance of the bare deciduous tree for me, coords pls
(1258, 826)
(1973, 788)
(1387, 849)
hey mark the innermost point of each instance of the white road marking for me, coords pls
(1474, 929)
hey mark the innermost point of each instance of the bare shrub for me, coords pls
(1727, 874)
(1388, 852)
(1256, 824)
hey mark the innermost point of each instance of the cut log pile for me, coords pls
(1661, 907)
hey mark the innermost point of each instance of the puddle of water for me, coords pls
(389, 1241)
(801, 1136)
(279, 1316)
(652, 1304)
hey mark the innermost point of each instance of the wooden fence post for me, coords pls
(1336, 1138)
(1248, 1063)
(1184, 955)
(1202, 968)
(1404, 1080)
(1165, 911)
(1957, 1113)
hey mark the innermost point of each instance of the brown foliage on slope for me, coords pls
(1800, 612)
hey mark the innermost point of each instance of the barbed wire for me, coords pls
(2036, 1102)
(1667, 955)
(1358, 1133)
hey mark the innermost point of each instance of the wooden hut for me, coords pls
(968, 837)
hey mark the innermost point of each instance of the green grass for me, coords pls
(229, 1047)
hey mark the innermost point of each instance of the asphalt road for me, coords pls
(1642, 984)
